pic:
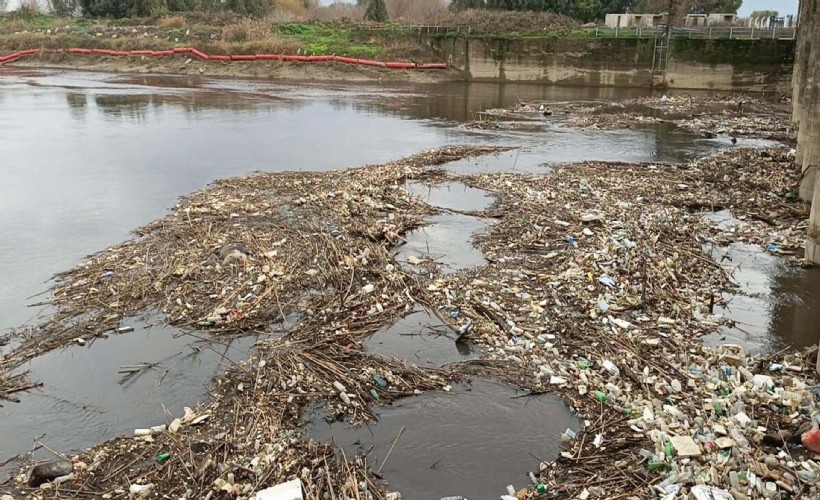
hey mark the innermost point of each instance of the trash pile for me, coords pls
(597, 287)
(526, 110)
(11, 383)
(733, 116)
(503, 125)
(247, 437)
(234, 258)
(242, 253)
(759, 188)
(708, 116)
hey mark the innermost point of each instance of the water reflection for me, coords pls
(77, 104)
(87, 399)
(795, 316)
(776, 305)
(135, 106)
(460, 101)
(469, 443)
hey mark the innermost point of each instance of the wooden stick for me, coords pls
(401, 431)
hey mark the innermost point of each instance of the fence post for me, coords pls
(596, 32)
(710, 33)
(639, 31)
(616, 31)
(730, 33)
(690, 33)
(753, 32)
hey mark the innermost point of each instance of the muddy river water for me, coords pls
(89, 157)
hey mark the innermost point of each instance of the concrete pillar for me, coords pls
(800, 76)
(813, 237)
(801, 63)
(808, 137)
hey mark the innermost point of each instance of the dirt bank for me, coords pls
(273, 70)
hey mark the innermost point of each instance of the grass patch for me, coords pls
(25, 21)
(177, 22)
(327, 39)
(33, 21)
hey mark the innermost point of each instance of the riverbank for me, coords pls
(269, 70)
(509, 50)
(224, 38)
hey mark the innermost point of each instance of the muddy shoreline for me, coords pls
(258, 70)
(596, 287)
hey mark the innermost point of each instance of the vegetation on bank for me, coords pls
(226, 34)
(293, 26)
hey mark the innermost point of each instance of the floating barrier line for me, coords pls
(206, 57)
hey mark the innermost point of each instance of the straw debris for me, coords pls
(599, 285)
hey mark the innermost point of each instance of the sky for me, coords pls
(784, 7)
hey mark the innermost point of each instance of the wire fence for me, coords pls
(714, 32)
(699, 33)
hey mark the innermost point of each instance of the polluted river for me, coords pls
(96, 156)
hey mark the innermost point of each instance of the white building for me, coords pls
(700, 20)
(630, 20)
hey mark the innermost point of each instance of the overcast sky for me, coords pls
(784, 7)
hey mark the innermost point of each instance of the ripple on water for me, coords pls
(447, 240)
(84, 400)
(452, 196)
(470, 442)
(774, 306)
(420, 338)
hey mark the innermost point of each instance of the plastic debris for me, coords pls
(291, 490)
(685, 446)
(811, 440)
(141, 490)
(607, 281)
(701, 492)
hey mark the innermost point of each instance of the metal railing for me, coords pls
(600, 32)
(699, 33)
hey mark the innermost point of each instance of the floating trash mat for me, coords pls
(420, 338)
(471, 442)
(452, 196)
(447, 241)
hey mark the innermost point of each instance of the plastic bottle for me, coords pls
(610, 367)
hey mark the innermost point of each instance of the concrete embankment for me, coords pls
(720, 64)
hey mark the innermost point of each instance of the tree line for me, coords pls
(144, 8)
(376, 10)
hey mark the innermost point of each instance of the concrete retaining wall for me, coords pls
(748, 65)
